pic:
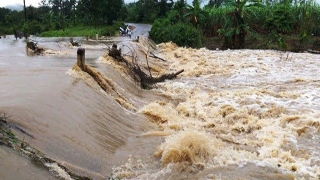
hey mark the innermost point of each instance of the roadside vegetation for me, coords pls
(292, 25)
(65, 18)
(82, 31)
(237, 24)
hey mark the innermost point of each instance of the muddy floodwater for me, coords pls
(234, 114)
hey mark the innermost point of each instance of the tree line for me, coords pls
(60, 14)
(174, 20)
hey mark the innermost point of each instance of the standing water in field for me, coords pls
(249, 114)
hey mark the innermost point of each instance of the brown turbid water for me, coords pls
(235, 114)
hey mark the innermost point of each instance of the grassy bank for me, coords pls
(80, 31)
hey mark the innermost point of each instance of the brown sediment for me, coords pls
(160, 112)
(301, 123)
(226, 110)
(155, 118)
(289, 119)
(239, 121)
(315, 124)
(302, 130)
(274, 112)
(186, 146)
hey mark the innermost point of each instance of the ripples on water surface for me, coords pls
(248, 114)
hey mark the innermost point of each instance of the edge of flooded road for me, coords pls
(10, 143)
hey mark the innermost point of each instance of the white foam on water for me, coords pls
(58, 171)
(244, 106)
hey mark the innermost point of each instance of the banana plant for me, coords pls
(236, 28)
(194, 13)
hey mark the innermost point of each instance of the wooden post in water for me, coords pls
(81, 58)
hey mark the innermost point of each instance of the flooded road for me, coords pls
(242, 114)
(64, 117)
(15, 166)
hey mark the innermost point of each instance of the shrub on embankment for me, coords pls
(172, 29)
(180, 33)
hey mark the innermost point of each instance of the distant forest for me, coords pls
(232, 22)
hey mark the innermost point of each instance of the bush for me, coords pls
(5, 30)
(281, 19)
(171, 29)
(32, 27)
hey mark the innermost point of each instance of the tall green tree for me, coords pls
(111, 11)
(57, 8)
(164, 7)
(99, 12)
(3, 13)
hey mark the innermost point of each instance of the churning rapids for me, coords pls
(234, 114)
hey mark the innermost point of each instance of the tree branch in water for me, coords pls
(146, 81)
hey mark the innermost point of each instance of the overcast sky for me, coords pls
(4, 3)
(35, 3)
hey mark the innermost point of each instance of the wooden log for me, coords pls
(81, 58)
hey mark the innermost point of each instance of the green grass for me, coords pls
(5, 132)
(80, 31)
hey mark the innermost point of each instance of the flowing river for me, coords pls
(234, 114)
